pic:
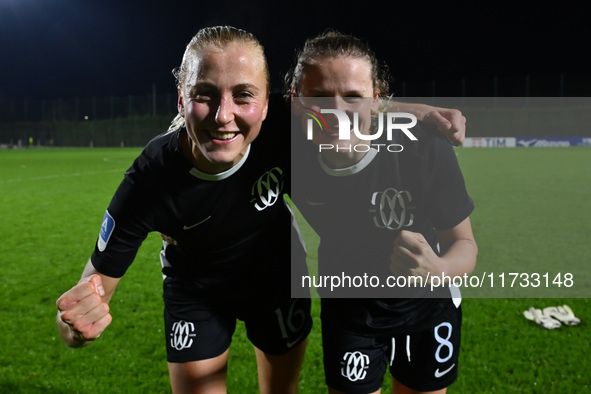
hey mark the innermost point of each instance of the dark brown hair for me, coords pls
(332, 43)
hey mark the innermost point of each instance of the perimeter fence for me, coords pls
(134, 120)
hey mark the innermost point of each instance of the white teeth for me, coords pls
(222, 136)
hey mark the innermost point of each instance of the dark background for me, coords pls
(94, 48)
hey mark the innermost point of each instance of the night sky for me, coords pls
(85, 48)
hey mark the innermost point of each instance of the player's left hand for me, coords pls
(449, 121)
(413, 254)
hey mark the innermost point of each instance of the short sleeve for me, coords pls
(449, 201)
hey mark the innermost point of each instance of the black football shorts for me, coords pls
(424, 360)
(199, 325)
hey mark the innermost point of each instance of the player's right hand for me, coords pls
(83, 309)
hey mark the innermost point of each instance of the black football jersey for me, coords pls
(359, 211)
(227, 225)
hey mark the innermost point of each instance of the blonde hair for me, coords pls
(217, 37)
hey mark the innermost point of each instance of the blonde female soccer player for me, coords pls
(214, 183)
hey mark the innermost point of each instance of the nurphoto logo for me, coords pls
(386, 122)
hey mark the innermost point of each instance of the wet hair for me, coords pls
(218, 37)
(330, 44)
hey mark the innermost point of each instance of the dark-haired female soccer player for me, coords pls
(381, 213)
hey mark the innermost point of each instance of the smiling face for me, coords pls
(343, 83)
(224, 102)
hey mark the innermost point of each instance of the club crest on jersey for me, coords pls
(267, 189)
(392, 209)
(106, 230)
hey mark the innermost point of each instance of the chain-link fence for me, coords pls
(134, 120)
(110, 121)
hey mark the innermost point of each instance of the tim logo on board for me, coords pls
(106, 231)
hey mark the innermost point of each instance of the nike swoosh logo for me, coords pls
(291, 343)
(196, 224)
(440, 374)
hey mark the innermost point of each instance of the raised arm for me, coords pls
(83, 311)
(449, 121)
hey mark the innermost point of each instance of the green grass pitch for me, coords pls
(532, 215)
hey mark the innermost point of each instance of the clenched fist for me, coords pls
(83, 312)
(413, 255)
